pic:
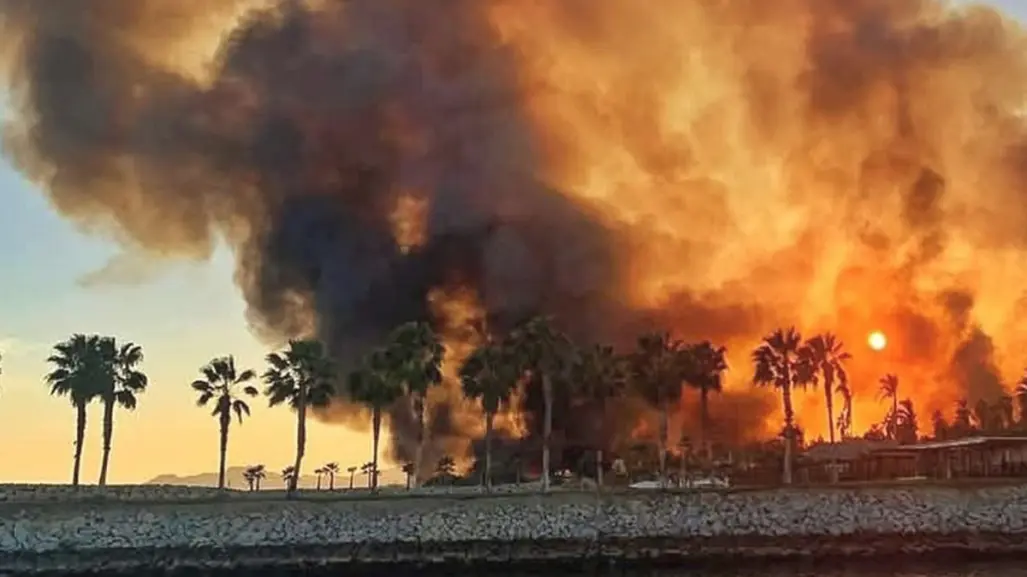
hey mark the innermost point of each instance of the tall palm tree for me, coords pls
(290, 476)
(373, 386)
(352, 471)
(226, 386)
(331, 469)
(781, 362)
(78, 373)
(416, 354)
(704, 370)
(319, 473)
(658, 374)
(828, 357)
(889, 391)
(301, 376)
(121, 390)
(545, 354)
(488, 376)
(599, 375)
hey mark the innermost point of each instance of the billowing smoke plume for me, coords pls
(715, 168)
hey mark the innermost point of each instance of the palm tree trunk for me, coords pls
(895, 415)
(786, 396)
(487, 473)
(108, 432)
(664, 426)
(225, 420)
(829, 398)
(547, 432)
(331, 481)
(318, 483)
(419, 451)
(80, 437)
(376, 427)
(351, 481)
(704, 423)
(301, 438)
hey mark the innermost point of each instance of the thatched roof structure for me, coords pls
(845, 451)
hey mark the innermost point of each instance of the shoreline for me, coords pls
(44, 535)
(527, 556)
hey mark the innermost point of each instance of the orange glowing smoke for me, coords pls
(839, 165)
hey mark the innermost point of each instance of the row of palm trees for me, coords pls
(409, 364)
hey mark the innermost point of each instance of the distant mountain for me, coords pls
(234, 479)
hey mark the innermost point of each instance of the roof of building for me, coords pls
(848, 450)
(957, 443)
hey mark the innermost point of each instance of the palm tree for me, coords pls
(300, 376)
(488, 376)
(906, 426)
(961, 425)
(416, 356)
(890, 391)
(290, 477)
(984, 415)
(371, 385)
(828, 356)
(940, 427)
(319, 473)
(599, 375)
(704, 370)
(352, 471)
(224, 385)
(659, 372)
(845, 417)
(121, 390)
(1021, 400)
(1004, 413)
(781, 362)
(545, 353)
(409, 470)
(367, 469)
(331, 469)
(446, 468)
(78, 373)
(254, 475)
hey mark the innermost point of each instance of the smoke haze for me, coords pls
(717, 168)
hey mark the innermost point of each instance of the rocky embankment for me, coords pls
(139, 531)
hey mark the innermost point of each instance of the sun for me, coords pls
(877, 341)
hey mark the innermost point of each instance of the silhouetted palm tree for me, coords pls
(488, 376)
(319, 473)
(409, 470)
(302, 377)
(845, 417)
(828, 357)
(446, 468)
(290, 477)
(939, 425)
(704, 371)
(416, 361)
(658, 373)
(372, 386)
(368, 469)
(225, 386)
(254, 475)
(781, 362)
(1004, 413)
(78, 373)
(545, 353)
(121, 390)
(331, 469)
(889, 391)
(906, 422)
(599, 375)
(961, 425)
(352, 471)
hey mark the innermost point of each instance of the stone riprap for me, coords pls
(86, 535)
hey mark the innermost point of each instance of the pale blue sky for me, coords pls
(182, 316)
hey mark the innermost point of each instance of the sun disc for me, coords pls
(877, 341)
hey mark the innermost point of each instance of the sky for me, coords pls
(183, 314)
